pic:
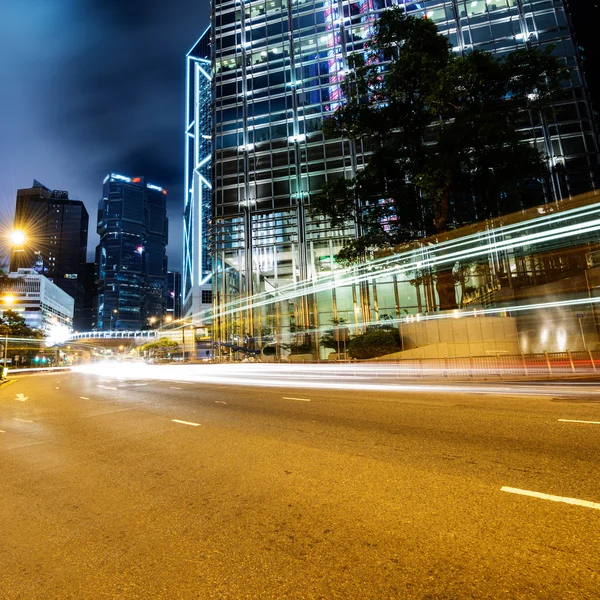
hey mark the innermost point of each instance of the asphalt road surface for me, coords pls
(130, 488)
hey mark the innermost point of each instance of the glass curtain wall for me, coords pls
(197, 265)
(277, 66)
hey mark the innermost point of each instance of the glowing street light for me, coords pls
(17, 237)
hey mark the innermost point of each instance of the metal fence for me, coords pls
(545, 366)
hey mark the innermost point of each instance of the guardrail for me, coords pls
(543, 366)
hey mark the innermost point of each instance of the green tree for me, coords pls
(442, 132)
(13, 325)
(160, 348)
(375, 342)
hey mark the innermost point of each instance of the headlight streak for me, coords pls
(420, 258)
(315, 377)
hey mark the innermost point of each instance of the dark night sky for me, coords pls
(92, 86)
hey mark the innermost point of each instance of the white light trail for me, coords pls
(363, 377)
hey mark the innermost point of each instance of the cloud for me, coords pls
(94, 87)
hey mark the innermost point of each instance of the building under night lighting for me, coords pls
(277, 67)
(56, 230)
(197, 265)
(131, 258)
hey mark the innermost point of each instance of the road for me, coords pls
(143, 487)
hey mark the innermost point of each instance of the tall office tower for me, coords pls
(56, 230)
(197, 266)
(131, 257)
(277, 69)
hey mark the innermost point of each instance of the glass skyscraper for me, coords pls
(131, 256)
(57, 233)
(197, 264)
(277, 67)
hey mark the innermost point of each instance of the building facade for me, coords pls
(197, 262)
(56, 230)
(277, 68)
(40, 302)
(131, 258)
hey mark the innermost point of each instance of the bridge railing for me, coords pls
(117, 335)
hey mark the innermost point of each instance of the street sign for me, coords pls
(580, 315)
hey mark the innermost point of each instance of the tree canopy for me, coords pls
(441, 131)
(13, 325)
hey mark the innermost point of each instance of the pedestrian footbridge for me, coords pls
(112, 335)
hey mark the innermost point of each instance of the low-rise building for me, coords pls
(40, 302)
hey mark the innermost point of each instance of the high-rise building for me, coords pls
(56, 230)
(131, 257)
(197, 265)
(277, 68)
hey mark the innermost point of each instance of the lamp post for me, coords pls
(7, 300)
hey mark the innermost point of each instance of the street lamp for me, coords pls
(8, 300)
(17, 237)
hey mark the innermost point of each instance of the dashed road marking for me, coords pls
(106, 387)
(84, 397)
(186, 382)
(22, 420)
(186, 423)
(576, 421)
(173, 388)
(298, 399)
(220, 402)
(2, 431)
(564, 499)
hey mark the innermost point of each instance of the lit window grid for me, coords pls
(198, 154)
(229, 193)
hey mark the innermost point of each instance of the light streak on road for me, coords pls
(556, 227)
(356, 377)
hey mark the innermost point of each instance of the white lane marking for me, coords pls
(186, 423)
(2, 431)
(186, 382)
(138, 384)
(106, 387)
(57, 388)
(22, 420)
(575, 421)
(174, 388)
(21, 397)
(564, 499)
(219, 402)
(84, 397)
(299, 399)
